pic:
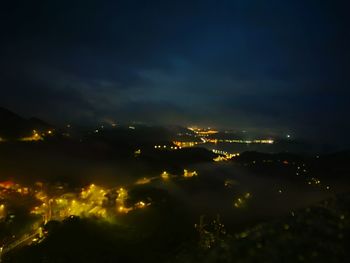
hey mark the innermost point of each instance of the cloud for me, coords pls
(279, 64)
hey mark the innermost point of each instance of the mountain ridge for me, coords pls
(14, 126)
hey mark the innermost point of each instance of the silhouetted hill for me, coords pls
(13, 126)
(39, 124)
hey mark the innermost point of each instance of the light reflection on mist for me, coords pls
(202, 194)
(268, 196)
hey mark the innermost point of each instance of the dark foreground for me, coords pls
(318, 233)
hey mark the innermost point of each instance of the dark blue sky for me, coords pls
(271, 65)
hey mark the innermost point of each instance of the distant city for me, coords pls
(133, 176)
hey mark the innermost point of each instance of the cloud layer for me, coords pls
(278, 65)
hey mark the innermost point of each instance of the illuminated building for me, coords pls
(189, 174)
(2, 211)
(203, 132)
(35, 137)
(185, 144)
(224, 156)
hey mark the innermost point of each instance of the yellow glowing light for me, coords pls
(137, 152)
(144, 180)
(140, 204)
(241, 201)
(219, 158)
(35, 137)
(165, 175)
(189, 174)
(123, 209)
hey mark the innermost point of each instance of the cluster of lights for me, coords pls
(34, 137)
(91, 201)
(185, 144)
(220, 158)
(9, 185)
(203, 132)
(240, 201)
(167, 147)
(121, 200)
(88, 203)
(263, 141)
(224, 156)
(301, 170)
(189, 174)
(314, 181)
(138, 205)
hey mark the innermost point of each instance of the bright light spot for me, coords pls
(137, 152)
(165, 175)
(189, 174)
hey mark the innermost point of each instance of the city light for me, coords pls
(241, 201)
(34, 137)
(189, 174)
(165, 175)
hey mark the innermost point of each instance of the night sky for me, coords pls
(280, 66)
